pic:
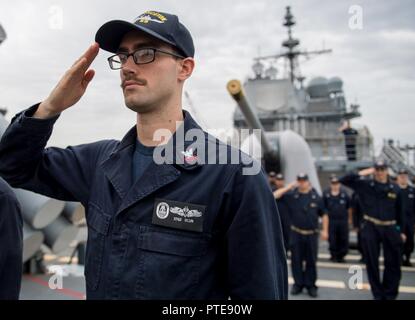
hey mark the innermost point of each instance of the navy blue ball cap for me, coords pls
(380, 164)
(403, 171)
(302, 176)
(280, 176)
(334, 178)
(160, 25)
(272, 174)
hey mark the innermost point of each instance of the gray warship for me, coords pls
(315, 111)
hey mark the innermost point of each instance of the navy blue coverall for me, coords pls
(357, 220)
(337, 209)
(181, 231)
(11, 243)
(383, 221)
(408, 195)
(282, 204)
(305, 210)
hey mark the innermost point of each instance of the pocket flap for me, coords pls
(175, 244)
(98, 220)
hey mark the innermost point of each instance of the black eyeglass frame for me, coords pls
(127, 55)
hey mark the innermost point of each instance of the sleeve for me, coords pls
(357, 211)
(325, 202)
(348, 201)
(257, 266)
(288, 198)
(400, 207)
(353, 181)
(322, 209)
(11, 246)
(64, 174)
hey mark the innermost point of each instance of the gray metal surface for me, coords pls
(32, 241)
(74, 212)
(296, 157)
(38, 211)
(59, 234)
(294, 154)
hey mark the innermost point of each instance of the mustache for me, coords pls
(139, 81)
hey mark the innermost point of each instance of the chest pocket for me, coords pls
(387, 206)
(98, 226)
(313, 207)
(169, 263)
(390, 198)
(391, 195)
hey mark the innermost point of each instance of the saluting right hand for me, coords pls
(71, 86)
(366, 172)
(293, 185)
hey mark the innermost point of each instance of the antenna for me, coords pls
(292, 54)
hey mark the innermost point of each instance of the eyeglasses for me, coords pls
(140, 56)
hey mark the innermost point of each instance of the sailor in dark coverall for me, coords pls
(306, 207)
(408, 195)
(383, 224)
(337, 205)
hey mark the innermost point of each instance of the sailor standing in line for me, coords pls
(337, 204)
(305, 206)
(408, 195)
(382, 225)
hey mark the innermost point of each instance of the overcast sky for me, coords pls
(376, 62)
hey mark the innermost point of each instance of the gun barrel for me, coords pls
(236, 91)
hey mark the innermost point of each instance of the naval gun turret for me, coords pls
(270, 154)
(281, 151)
